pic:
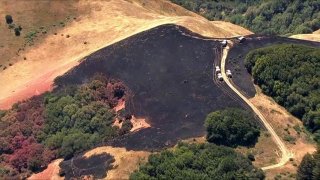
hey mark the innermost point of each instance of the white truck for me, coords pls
(228, 73)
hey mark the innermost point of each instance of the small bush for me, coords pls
(290, 139)
(251, 157)
(17, 31)
(9, 19)
(126, 127)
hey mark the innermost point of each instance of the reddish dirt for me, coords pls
(51, 173)
(121, 105)
(36, 86)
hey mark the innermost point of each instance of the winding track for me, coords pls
(285, 154)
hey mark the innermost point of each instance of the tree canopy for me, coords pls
(58, 124)
(231, 127)
(283, 17)
(198, 161)
(309, 168)
(291, 75)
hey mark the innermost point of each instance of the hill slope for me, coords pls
(315, 36)
(108, 22)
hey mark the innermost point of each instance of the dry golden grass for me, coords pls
(290, 130)
(43, 16)
(315, 36)
(125, 161)
(265, 151)
(107, 22)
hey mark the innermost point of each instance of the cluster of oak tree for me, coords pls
(283, 17)
(58, 124)
(291, 75)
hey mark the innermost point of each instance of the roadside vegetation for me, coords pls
(208, 160)
(291, 75)
(283, 17)
(58, 124)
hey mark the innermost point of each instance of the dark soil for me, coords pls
(235, 60)
(96, 166)
(170, 77)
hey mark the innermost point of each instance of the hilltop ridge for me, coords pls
(108, 22)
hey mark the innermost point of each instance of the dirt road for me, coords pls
(285, 154)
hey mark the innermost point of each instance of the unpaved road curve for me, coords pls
(285, 154)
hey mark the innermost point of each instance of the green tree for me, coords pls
(305, 169)
(231, 127)
(281, 17)
(198, 161)
(290, 74)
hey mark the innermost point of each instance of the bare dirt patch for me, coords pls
(265, 151)
(138, 124)
(107, 22)
(290, 130)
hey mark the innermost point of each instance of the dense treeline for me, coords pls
(198, 161)
(58, 124)
(309, 168)
(291, 75)
(283, 17)
(231, 127)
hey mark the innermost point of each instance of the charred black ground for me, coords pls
(235, 60)
(170, 76)
(96, 166)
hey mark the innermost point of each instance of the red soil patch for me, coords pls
(121, 105)
(36, 86)
(52, 172)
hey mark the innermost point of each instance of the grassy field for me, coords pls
(38, 19)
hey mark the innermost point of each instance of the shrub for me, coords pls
(126, 127)
(251, 157)
(17, 31)
(9, 19)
